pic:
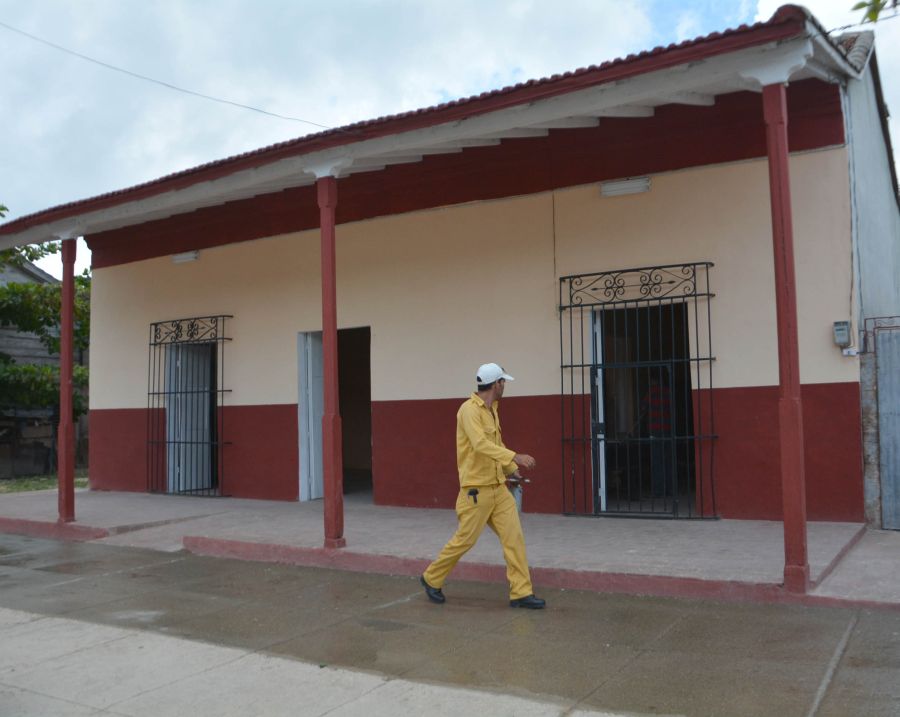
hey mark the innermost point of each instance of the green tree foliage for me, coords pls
(872, 9)
(19, 255)
(36, 308)
(26, 385)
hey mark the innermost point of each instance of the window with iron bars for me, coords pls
(636, 385)
(185, 418)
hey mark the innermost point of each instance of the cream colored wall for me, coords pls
(447, 289)
(427, 284)
(825, 291)
(721, 214)
(271, 287)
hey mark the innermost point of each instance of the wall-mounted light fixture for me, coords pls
(185, 257)
(617, 188)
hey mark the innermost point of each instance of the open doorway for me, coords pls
(190, 386)
(354, 379)
(642, 410)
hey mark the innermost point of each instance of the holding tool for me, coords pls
(515, 487)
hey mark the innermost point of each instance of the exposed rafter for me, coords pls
(397, 158)
(465, 143)
(626, 111)
(699, 99)
(359, 169)
(518, 132)
(422, 151)
(568, 123)
(821, 71)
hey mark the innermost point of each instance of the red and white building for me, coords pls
(719, 215)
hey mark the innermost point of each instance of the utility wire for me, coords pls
(881, 19)
(155, 81)
(201, 95)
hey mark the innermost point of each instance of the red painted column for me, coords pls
(790, 407)
(332, 452)
(65, 450)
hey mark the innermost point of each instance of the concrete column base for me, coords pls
(796, 579)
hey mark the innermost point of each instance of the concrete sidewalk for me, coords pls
(133, 673)
(93, 629)
(722, 558)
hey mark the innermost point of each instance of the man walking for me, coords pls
(485, 465)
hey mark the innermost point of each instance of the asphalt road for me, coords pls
(89, 629)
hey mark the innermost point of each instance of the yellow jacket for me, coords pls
(481, 457)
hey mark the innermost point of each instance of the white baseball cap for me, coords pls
(490, 372)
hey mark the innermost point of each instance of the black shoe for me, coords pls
(529, 601)
(434, 594)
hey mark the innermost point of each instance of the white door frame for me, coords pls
(310, 408)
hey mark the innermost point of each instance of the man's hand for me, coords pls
(524, 460)
(515, 480)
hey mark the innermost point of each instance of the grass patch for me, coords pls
(21, 485)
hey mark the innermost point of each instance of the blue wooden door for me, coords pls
(887, 351)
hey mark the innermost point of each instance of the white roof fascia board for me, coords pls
(824, 45)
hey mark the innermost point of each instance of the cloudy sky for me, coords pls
(73, 129)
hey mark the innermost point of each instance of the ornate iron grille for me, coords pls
(636, 380)
(185, 418)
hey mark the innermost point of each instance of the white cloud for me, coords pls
(331, 63)
(73, 129)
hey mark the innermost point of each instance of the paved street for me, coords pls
(90, 629)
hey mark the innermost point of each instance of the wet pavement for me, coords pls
(87, 628)
(683, 558)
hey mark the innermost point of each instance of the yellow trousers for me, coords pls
(497, 508)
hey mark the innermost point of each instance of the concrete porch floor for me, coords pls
(731, 559)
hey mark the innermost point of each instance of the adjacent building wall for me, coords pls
(876, 213)
(876, 220)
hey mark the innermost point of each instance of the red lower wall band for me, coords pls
(413, 453)
(260, 457)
